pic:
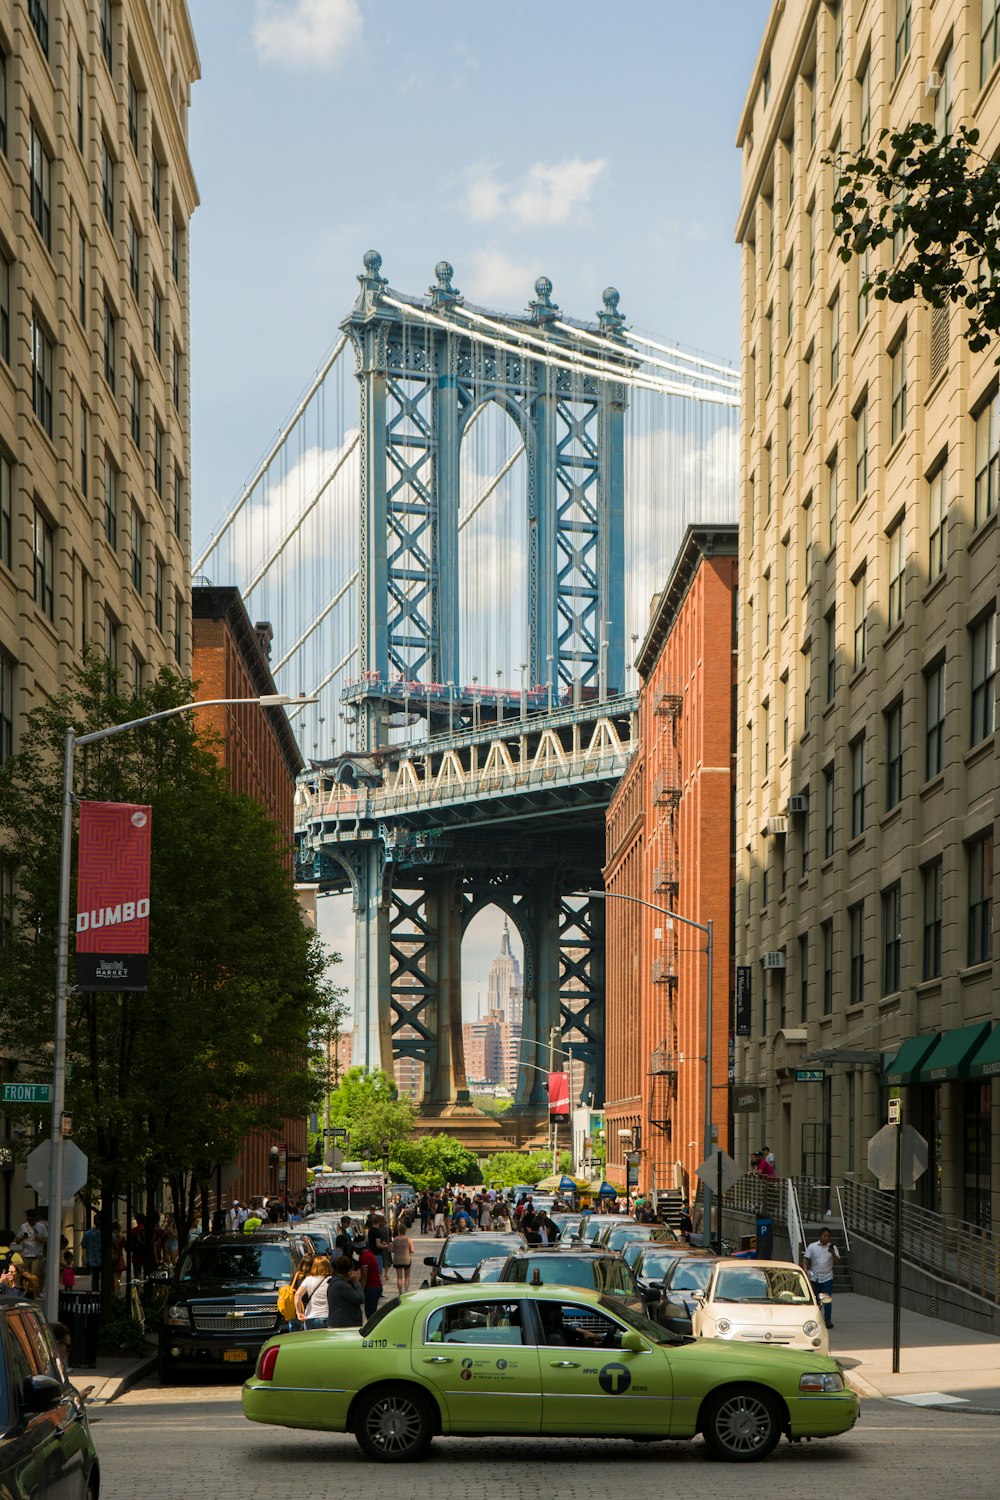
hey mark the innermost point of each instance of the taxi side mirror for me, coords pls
(430, 1260)
(632, 1343)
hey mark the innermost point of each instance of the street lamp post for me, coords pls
(707, 929)
(73, 742)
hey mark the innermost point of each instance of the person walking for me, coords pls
(371, 1280)
(819, 1259)
(90, 1244)
(402, 1259)
(312, 1307)
(345, 1296)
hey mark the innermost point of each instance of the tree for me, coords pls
(508, 1168)
(367, 1103)
(435, 1160)
(165, 1083)
(939, 200)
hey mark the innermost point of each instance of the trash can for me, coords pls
(81, 1312)
(765, 1239)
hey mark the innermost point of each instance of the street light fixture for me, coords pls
(72, 743)
(707, 929)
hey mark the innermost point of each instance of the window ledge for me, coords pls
(857, 842)
(980, 751)
(937, 383)
(895, 632)
(854, 1012)
(858, 673)
(826, 1021)
(890, 1002)
(935, 586)
(986, 528)
(896, 447)
(892, 816)
(930, 986)
(827, 864)
(976, 971)
(933, 785)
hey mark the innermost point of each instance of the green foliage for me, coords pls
(435, 1160)
(941, 197)
(165, 1083)
(124, 1334)
(368, 1104)
(508, 1168)
(495, 1108)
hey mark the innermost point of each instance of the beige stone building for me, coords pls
(96, 194)
(868, 558)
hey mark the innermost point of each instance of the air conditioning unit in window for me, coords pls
(777, 827)
(775, 959)
(797, 803)
(933, 85)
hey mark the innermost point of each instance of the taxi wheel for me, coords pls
(741, 1425)
(393, 1424)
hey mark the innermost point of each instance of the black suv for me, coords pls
(45, 1442)
(222, 1301)
(557, 1265)
(461, 1253)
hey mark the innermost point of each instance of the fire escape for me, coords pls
(666, 800)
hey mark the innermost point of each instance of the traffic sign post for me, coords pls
(718, 1170)
(897, 1156)
(27, 1093)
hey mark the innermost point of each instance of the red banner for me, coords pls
(112, 917)
(558, 1096)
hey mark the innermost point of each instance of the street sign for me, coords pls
(744, 999)
(913, 1156)
(27, 1093)
(709, 1170)
(810, 1075)
(895, 1111)
(75, 1170)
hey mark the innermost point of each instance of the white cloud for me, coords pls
(306, 33)
(495, 277)
(549, 193)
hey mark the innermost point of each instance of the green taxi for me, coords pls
(540, 1361)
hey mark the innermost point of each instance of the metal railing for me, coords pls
(768, 1196)
(951, 1248)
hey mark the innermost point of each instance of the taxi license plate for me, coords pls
(238, 1356)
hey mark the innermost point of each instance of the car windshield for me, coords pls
(624, 1233)
(249, 1262)
(690, 1276)
(469, 1250)
(594, 1226)
(654, 1264)
(654, 1332)
(571, 1270)
(761, 1284)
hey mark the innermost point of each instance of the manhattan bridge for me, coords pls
(456, 538)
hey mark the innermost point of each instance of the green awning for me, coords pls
(953, 1053)
(905, 1066)
(985, 1062)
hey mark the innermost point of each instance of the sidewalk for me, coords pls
(113, 1375)
(940, 1364)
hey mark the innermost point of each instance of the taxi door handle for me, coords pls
(438, 1359)
(565, 1364)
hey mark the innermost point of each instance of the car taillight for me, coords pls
(267, 1362)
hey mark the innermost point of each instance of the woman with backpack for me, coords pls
(287, 1294)
(312, 1306)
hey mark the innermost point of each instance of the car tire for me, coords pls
(393, 1424)
(741, 1424)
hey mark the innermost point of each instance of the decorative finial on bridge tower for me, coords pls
(371, 282)
(543, 309)
(444, 294)
(611, 320)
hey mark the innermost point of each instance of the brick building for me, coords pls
(230, 659)
(670, 842)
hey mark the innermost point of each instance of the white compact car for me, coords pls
(760, 1302)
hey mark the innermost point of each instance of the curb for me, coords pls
(114, 1389)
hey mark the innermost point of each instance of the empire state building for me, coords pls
(505, 990)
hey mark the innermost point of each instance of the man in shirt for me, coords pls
(371, 1279)
(90, 1244)
(818, 1260)
(32, 1241)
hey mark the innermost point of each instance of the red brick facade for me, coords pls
(262, 759)
(670, 842)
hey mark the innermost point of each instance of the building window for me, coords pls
(807, 553)
(177, 379)
(3, 101)
(861, 451)
(940, 338)
(786, 577)
(990, 45)
(111, 640)
(835, 340)
(766, 81)
(133, 113)
(838, 39)
(158, 459)
(106, 33)
(902, 31)
(138, 544)
(893, 756)
(769, 460)
(944, 98)
(765, 883)
(856, 928)
(828, 812)
(6, 722)
(133, 257)
(178, 625)
(767, 609)
(934, 719)
(81, 291)
(864, 287)
(110, 335)
(860, 589)
(41, 186)
(983, 641)
(158, 593)
(108, 185)
(858, 786)
(980, 862)
(81, 100)
(831, 655)
(157, 325)
(789, 296)
(136, 407)
(933, 912)
(810, 385)
(806, 688)
(810, 245)
(783, 689)
(85, 608)
(38, 13)
(84, 448)
(897, 366)
(831, 497)
(155, 186)
(178, 500)
(938, 510)
(892, 937)
(6, 511)
(987, 459)
(803, 979)
(765, 713)
(43, 547)
(865, 104)
(175, 250)
(4, 309)
(769, 343)
(827, 935)
(41, 375)
(110, 502)
(897, 571)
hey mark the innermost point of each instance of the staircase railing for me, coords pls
(769, 1196)
(951, 1248)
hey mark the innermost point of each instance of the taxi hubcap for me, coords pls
(393, 1423)
(743, 1423)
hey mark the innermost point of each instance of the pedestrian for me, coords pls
(345, 1239)
(117, 1255)
(90, 1244)
(371, 1280)
(312, 1307)
(440, 1221)
(302, 1270)
(424, 1207)
(402, 1259)
(345, 1295)
(685, 1223)
(170, 1247)
(819, 1259)
(234, 1217)
(137, 1244)
(32, 1240)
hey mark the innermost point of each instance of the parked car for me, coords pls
(461, 1253)
(651, 1264)
(761, 1302)
(557, 1265)
(222, 1300)
(46, 1447)
(490, 1268)
(593, 1225)
(617, 1236)
(684, 1277)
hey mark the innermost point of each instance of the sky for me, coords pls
(590, 143)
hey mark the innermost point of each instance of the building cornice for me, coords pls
(700, 542)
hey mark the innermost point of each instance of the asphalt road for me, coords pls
(178, 1442)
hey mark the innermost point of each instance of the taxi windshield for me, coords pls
(250, 1262)
(761, 1284)
(470, 1250)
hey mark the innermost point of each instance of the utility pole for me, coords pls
(553, 1031)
